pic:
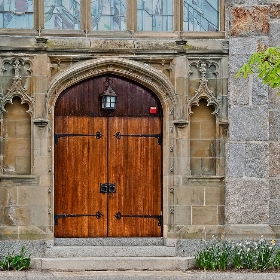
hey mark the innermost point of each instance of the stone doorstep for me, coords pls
(114, 263)
(110, 251)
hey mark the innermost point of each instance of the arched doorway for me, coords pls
(108, 163)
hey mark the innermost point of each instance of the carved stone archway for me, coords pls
(136, 71)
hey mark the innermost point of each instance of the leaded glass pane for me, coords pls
(108, 15)
(155, 15)
(201, 15)
(16, 14)
(62, 14)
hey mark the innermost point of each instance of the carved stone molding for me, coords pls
(137, 71)
(16, 88)
(203, 90)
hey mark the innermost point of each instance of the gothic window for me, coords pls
(108, 15)
(155, 15)
(201, 15)
(85, 17)
(62, 14)
(16, 14)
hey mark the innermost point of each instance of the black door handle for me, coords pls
(107, 188)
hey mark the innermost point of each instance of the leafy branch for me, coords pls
(266, 63)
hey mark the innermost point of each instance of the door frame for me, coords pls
(146, 76)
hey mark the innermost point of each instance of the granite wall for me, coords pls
(253, 169)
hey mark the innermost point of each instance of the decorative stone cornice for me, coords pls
(137, 71)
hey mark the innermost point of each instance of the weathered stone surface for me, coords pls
(248, 123)
(274, 99)
(205, 215)
(257, 160)
(274, 125)
(190, 195)
(245, 45)
(17, 215)
(111, 44)
(275, 33)
(247, 201)
(214, 196)
(235, 160)
(235, 62)
(274, 159)
(274, 186)
(182, 215)
(238, 91)
(67, 43)
(275, 10)
(259, 92)
(248, 21)
(274, 210)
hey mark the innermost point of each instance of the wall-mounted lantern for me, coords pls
(109, 99)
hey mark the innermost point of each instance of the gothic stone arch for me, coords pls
(136, 71)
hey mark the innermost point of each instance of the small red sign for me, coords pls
(153, 110)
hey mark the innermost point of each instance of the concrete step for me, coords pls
(113, 241)
(110, 251)
(113, 263)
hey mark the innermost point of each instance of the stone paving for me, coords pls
(137, 275)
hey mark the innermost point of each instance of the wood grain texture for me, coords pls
(83, 162)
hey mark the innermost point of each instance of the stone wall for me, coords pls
(252, 177)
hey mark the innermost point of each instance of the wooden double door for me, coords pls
(108, 165)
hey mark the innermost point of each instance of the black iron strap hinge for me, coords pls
(98, 215)
(119, 215)
(118, 135)
(98, 135)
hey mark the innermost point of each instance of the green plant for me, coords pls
(214, 256)
(16, 261)
(262, 255)
(266, 63)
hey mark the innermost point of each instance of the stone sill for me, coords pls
(11, 177)
(205, 177)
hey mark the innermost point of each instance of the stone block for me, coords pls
(23, 165)
(204, 215)
(257, 160)
(248, 21)
(247, 201)
(182, 215)
(181, 165)
(8, 232)
(235, 160)
(39, 215)
(23, 129)
(214, 196)
(245, 46)
(275, 33)
(274, 186)
(274, 99)
(238, 91)
(221, 215)
(202, 148)
(15, 215)
(274, 210)
(274, 159)
(190, 195)
(259, 92)
(274, 125)
(182, 148)
(249, 231)
(275, 10)
(248, 123)
(8, 196)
